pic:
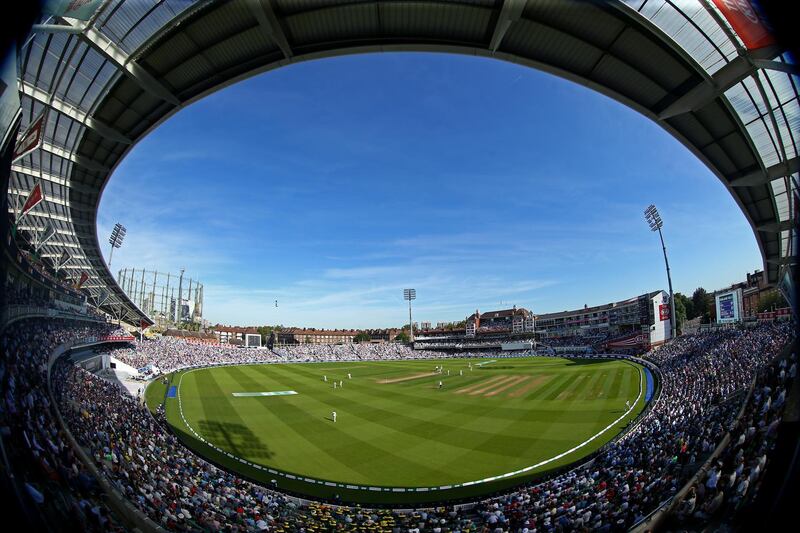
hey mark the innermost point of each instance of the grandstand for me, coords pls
(637, 323)
(83, 83)
(641, 322)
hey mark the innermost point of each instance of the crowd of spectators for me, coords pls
(458, 344)
(54, 479)
(168, 354)
(703, 379)
(734, 478)
(703, 376)
(182, 492)
(652, 461)
(27, 295)
(22, 295)
(568, 341)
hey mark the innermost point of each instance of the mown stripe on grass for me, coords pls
(578, 383)
(363, 391)
(565, 381)
(488, 387)
(558, 379)
(535, 383)
(613, 391)
(405, 424)
(405, 399)
(482, 381)
(363, 451)
(315, 453)
(215, 408)
(516, 381)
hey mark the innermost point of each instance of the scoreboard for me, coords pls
(729, 306)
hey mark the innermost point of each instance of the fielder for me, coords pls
(349, 376)
(333, 415)
(440, 384)
(325, 379)
(628, 404)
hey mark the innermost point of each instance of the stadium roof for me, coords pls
(109, 81)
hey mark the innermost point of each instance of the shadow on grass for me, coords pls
(302, 488)
(584, 362)
(235, 437)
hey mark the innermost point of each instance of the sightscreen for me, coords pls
(251, 340)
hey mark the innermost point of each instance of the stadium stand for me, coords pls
(704, 380)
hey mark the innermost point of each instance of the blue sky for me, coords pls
(331, 185)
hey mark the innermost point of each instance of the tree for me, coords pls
(680, 310)
(361, 337)
(264, 331)
(401, 337)
(700, 304)
(688, 305)
(770, 300)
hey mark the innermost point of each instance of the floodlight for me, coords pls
(653, 218)
(116, 238)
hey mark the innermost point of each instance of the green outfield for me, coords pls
(398, 436)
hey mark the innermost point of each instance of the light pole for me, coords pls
(654, 220)
(410, 294)
(117, 236)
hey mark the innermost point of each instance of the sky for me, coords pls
(332, 185)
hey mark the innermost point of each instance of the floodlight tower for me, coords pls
(654, 220)
(410, 294)
(117, 236)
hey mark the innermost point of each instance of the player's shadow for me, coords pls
(236, 437)
(330, 419)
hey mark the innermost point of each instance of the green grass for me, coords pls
(155, 393)
(497, 418)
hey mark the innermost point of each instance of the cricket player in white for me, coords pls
(349, 376)
(325, 379)
(333, 415)
(628, 404)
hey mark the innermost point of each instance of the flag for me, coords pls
(143, 325)
(76, 9)
(82, 280)
(747, 21)
(31, 139)
(48, 232)
(35, 197)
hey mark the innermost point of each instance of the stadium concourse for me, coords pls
(704, 380)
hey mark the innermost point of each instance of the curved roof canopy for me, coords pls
(107, 82)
